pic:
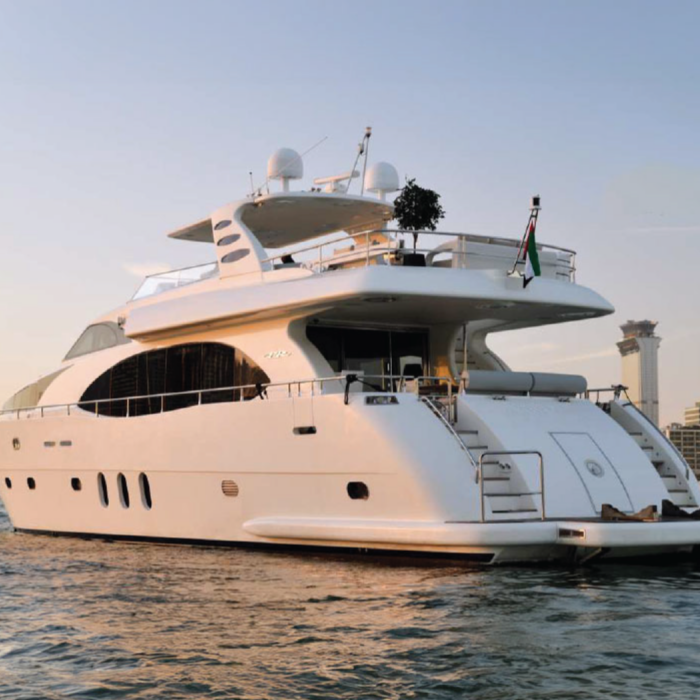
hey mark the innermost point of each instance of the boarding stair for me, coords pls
(669, 464)
(506, 495)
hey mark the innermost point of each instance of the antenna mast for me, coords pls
(362, 150)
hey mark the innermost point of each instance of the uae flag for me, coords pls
(532, 261)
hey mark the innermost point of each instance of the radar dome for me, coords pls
(382, 178)
(285, 164)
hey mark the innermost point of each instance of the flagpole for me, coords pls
(532, 219)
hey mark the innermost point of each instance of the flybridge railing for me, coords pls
(389, 246)
(172, 279)
(442, 387)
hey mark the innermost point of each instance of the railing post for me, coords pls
(367, 247)
(539, 454)
(480, 479)
(450, 404)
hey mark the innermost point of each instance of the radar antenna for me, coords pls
(289, 166)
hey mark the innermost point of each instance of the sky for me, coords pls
(121, 121)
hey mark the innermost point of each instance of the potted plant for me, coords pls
(417, 209)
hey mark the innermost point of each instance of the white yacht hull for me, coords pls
(291, 485)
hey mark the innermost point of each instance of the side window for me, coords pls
(172, 378)
(98, 337)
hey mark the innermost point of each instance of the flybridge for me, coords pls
(273, 237)
(286, 218)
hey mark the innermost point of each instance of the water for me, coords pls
(97, 620)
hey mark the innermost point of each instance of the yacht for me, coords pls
(325, 383)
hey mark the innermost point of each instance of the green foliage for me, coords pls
(417, 209)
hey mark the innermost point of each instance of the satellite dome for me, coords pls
(382, 178)
(285, 164)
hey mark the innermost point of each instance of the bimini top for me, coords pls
(285, 218)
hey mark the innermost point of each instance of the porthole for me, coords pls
(222, 224)
(31, 483)
(227, 240)
(123, 490)
(145, 492)
(230, 488)
(8, 482)
(102, 488)
(357, 490)
(15, 443)
(76, 484)
(235, 255)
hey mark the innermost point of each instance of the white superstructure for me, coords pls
(322, 384)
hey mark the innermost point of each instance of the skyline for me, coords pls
(125, 122)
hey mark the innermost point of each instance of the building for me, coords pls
(687, 441)
(640, 368)
(692, 415)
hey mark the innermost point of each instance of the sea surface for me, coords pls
(91, 619)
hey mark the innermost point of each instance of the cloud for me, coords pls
(573, 359)
(534, 347)
(145, 269)
(662, 229)
(655, 197)
(596, 355)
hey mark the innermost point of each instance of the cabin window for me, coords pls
(376, 353)
(8, 482)
(123, 490)
(145, 491)
(358, 491)
(228, 240)
(76, 484)
(172, 378)
(102, 488)
(31, 483)
(235, 255)
(99, 336)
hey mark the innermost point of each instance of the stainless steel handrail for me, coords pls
(174, 277)
(504, 453)
(370, 250)
(397, 379)
(436, 411)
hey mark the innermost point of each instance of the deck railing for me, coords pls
(393, 384)
(366, 248)
(172, 279)
(390, 246)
